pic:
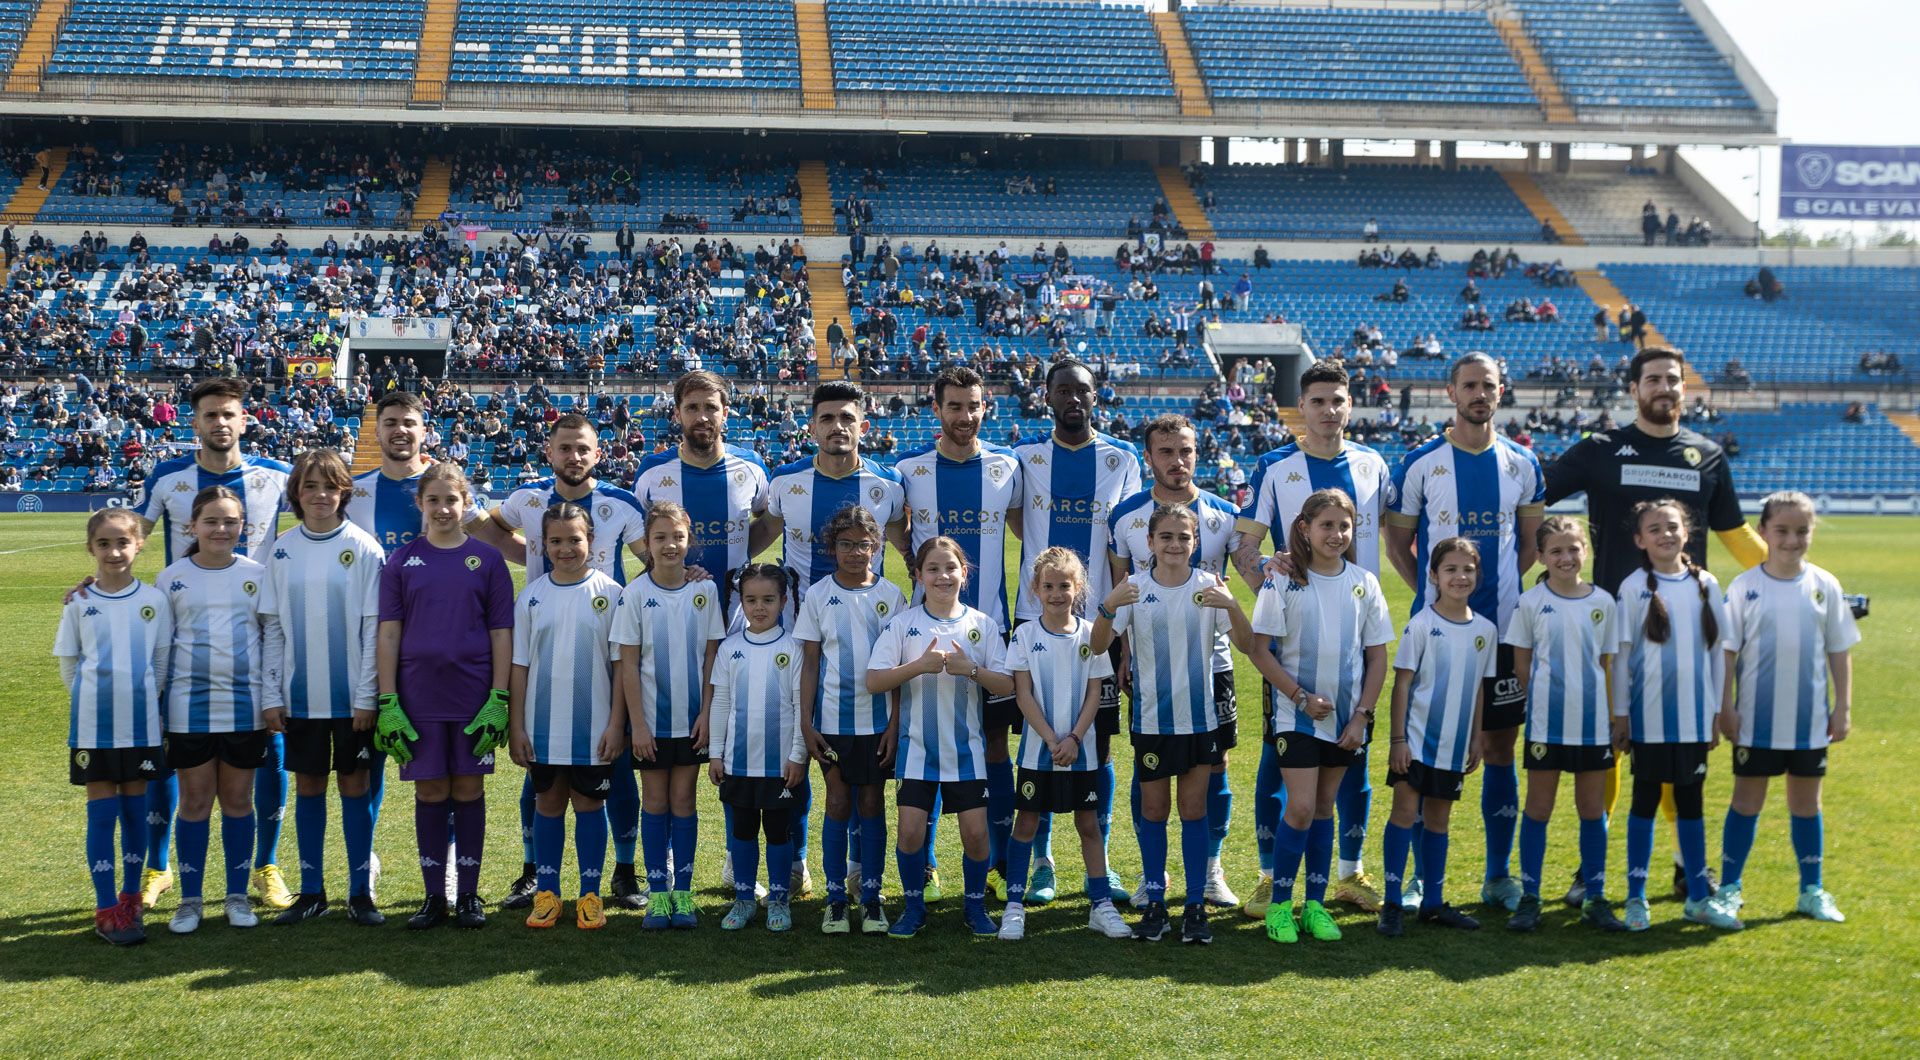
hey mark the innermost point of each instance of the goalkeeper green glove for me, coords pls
(392, 729)
(489, 727)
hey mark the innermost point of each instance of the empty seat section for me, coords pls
(1409, 203)
(15, 17)
(1632, 53)
(950, 198)
(349, 39)
(1354, 56)
(636, 44)
(1028, 47)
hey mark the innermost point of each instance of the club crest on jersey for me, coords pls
(1691, 455)
(147, 613)
(1113, 462)
(1200, 597)
(1279, 745)
(473, 562)
(1537, 750)
(1359, 592)
(1480, 642)
(996, 472)
(739, 478)
(1819, 596)
(605, 510)
(82, 759)
(781, 659)
(699, 601)
(1027, 789)
(600, 605)
(881, 608)
(1597, 615)
(249, 587)
(346, 557)
(1151, 760)
(1086, 651)
(973, 636)
(877, 494)
(1741, 754)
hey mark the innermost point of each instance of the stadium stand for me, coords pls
(961, 199)
(614, 186)
(1408, 202)
(1349, 56)
(359, 40)
(1811, 446)
(15, 17)
(1018, 47)
(728, 44)
(1605, 207)
(1829, 317)
(1632, 54)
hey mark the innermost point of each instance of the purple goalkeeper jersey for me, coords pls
(447, 600)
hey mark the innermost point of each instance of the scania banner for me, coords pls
(1826, 182)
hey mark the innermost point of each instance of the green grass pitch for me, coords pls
(1784, 985)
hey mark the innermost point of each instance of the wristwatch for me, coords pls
(1300, 696)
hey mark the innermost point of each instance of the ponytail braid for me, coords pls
(1709, 626)
(1659, 625)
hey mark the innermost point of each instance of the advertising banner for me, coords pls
(1838, 183)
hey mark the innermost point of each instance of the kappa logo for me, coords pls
(833, 601)
(1151, 598)
(279, 553)
(738, 654)
(1037, 458)
(1547, 610)
(604, 785)
(797, 490)
(920, 469)
(1626, 450)
(361, 492)
(532, 501)
(1753, 594)
(1435, 633)
(1091, 797)
(364, 755)
(1040, 647)
(1441, 471)
(1295, 476)
(532, 602)
(786, 793)
(1700, 770)
(666, 481)
(146, 765)
(181, 486)
(913, 631)
(653, 603)
(90, 612)
(176, 586)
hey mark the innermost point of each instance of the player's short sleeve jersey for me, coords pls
(1218, 534)
(1071, 493)
(118, 639)
(1567, 682)
(448, 602)
(942, 735)
(722, 498)
(967, 500)
(385, 508)
(1441, 490)
(804, 498)
(670, 628)
(260, 482)
(1060, 665)
(217, 677)
(1172, 654)
(845, 623)
(1672, 688)
(1782, 631)
(562, 635)
(1448, 661)
(617, 523)
(1618, 469)
(1286, 477)
(1322, 630)
(324, 587)
(756, 680)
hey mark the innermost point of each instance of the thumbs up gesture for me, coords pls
(933, 660)
(958, 664)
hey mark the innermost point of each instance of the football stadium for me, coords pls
(821, 508)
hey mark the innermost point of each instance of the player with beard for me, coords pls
(724, 490)
(1075, 478)
(973, 492)
(1651, 458)
(573, 451)
(1172, 455)
(1476, 483)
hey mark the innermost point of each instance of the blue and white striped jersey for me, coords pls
(1668, 691)
(670, 628)
(617, 523)
(1061, 666)
(1173, 649)
(1072, 492)
(1287, 476)
(803, 497)
(722, 498)
(1322, 630)
(756, 704)
(1783, 630)
(385, 508)
(562, 634)
(260, 482)
(1441, 490)
(967, 500)
(326, 596)
(941, 726)
(1448, 661)
(121, 645)
(1217, 537)
(845, 623)
(216, 679)
(1567, 683)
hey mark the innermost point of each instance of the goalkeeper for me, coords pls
(444, 651)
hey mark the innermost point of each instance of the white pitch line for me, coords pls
(32, 548)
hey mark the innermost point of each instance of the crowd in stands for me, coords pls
(498, 179)
(228, 184)
(1695, 233)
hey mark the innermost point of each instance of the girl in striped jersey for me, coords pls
(665, 633)
(757, 755)
(1446, 653)
(1563, 637)
(852, 732)
(113, 645)
(1329, 619)
(564, 728)
(1666, 688)
(945, 658)
(325, 575)
(1789, 629)
(1057, 678)
(216, 683)
(1176, 613)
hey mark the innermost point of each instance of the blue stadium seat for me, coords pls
(362, 40)
(1017, 47)
(1409, 202)
(1647, 54)
(647, 44)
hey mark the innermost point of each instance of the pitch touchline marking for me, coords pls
(33, 548)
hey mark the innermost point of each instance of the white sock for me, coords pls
(1348, 868)
(1213, 866)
